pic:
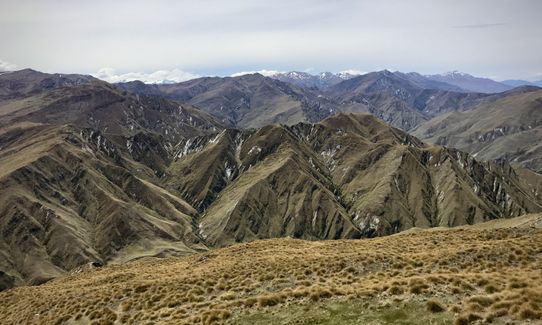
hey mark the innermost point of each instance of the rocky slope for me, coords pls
(508, 128)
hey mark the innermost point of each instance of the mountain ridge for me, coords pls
(470, 83)
(493, 131)
(319, 81)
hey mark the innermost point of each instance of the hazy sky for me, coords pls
(181, 39)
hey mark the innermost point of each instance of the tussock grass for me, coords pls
(478, 275)
(435, 306)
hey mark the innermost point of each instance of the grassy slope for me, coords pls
(483, 272)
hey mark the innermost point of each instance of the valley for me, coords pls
(105, 184)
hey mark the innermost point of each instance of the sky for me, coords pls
(179, 40)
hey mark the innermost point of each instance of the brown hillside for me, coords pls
(489, 273)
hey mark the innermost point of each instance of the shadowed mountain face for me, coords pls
(509, 128)
(29, 82)
(98, 105)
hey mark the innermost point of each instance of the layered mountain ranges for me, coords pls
(470, 83)
(509, 128)
(93, 173)
(454, 80)
(403, 100)
(72, 196)
(409, 101)
(245, 101)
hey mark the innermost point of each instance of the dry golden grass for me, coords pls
(478, 274)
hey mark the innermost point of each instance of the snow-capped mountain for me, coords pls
(322, 80)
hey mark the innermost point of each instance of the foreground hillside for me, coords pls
(489, 272)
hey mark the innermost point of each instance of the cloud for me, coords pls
(354, 72)
(475, 26)
(160, 76)
(6, 66)
(263, 72)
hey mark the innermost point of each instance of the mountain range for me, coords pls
(402, 100)
(409, 101)
(98, 173)
(320, 81)
(454, 81)
(507, 129)
(470, 83)
(246, 101)
(518, 83)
